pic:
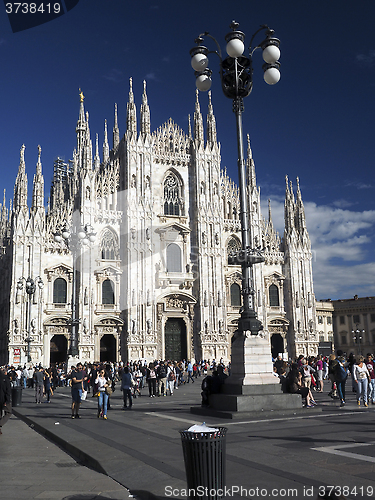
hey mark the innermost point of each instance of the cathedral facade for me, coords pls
(132, 251)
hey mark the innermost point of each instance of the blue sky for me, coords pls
(316, 123)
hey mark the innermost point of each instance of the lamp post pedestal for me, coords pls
(251, 363)
(72, 361)
(251, 388)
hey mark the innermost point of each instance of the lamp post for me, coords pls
(30, 286)
(236, 79)
(357, 337)
(75, 236)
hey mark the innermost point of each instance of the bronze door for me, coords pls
(175, 339)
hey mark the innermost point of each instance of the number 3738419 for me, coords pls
(32, 8)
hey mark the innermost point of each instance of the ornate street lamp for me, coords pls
(75, 236)
(357, 337)
(30, 286)
(236, 73)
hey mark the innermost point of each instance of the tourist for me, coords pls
(102, 382)
(77, 377)
(39, 384)
(151, 380)
(5, 398)
(361, 378)
(126, 386)
(371, 369)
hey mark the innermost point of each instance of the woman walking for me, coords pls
(361, 378)
(102, 382)
(151, 380)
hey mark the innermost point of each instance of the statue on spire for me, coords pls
(81, 96)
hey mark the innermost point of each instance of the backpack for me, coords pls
(340, 372)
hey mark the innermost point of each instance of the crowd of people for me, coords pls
(159, 378)
(306, 375)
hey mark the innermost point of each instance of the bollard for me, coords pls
(204, 456)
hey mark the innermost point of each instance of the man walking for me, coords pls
(190, 372)
(39, 384)
(5, 396)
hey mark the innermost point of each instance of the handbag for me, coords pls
(108, 391)
(97, 394)
(84, 395)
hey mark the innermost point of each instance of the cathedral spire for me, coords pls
(300, 211)
(97, 157)
(211, 123)
(145, 114)
(131, 117)
(20, 188)
(198, 121)
(289, 207)
(38, 186)
(250, 167)
(81, 128)
(116, 132)
(189, 127)
(88, 146)
(105, 144)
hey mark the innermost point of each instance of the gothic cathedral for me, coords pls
(142, 270)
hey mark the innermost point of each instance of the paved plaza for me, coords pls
(138, 453)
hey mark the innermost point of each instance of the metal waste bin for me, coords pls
(16, 395)
(204, 456)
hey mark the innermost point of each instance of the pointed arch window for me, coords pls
(235, 295)
(273, 293)
(174, 264)
(109, 248)
(108, 294)
(59, 291)
(172, 195)
(233, 247)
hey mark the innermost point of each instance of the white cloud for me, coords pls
(115, 75)
(341, 241)
(366, 59)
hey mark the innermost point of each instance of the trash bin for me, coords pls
(16, 395)
(204, 451)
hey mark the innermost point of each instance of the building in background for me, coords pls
(354, 325)
(324, 326)
(156, 283)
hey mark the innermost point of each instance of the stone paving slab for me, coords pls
(32, 467)
(141, 449)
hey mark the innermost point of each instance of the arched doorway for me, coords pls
(175, 339)
(277, 344)
(108, 348)
(58, 349)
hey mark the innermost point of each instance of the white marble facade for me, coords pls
(156, 282)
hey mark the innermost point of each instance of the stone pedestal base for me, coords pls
(72, 361)
(251, 387)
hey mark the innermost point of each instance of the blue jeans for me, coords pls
(341, 389)
(103, 402)
(371, 396)
(362, 385)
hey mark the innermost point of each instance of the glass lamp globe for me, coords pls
(65, 234)
(85, 241)
(92, 238)
(203, 83)
(271, 76)
(81, 235)
(57, 238)
(235, 47)
(199, 62)
(271, 54)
